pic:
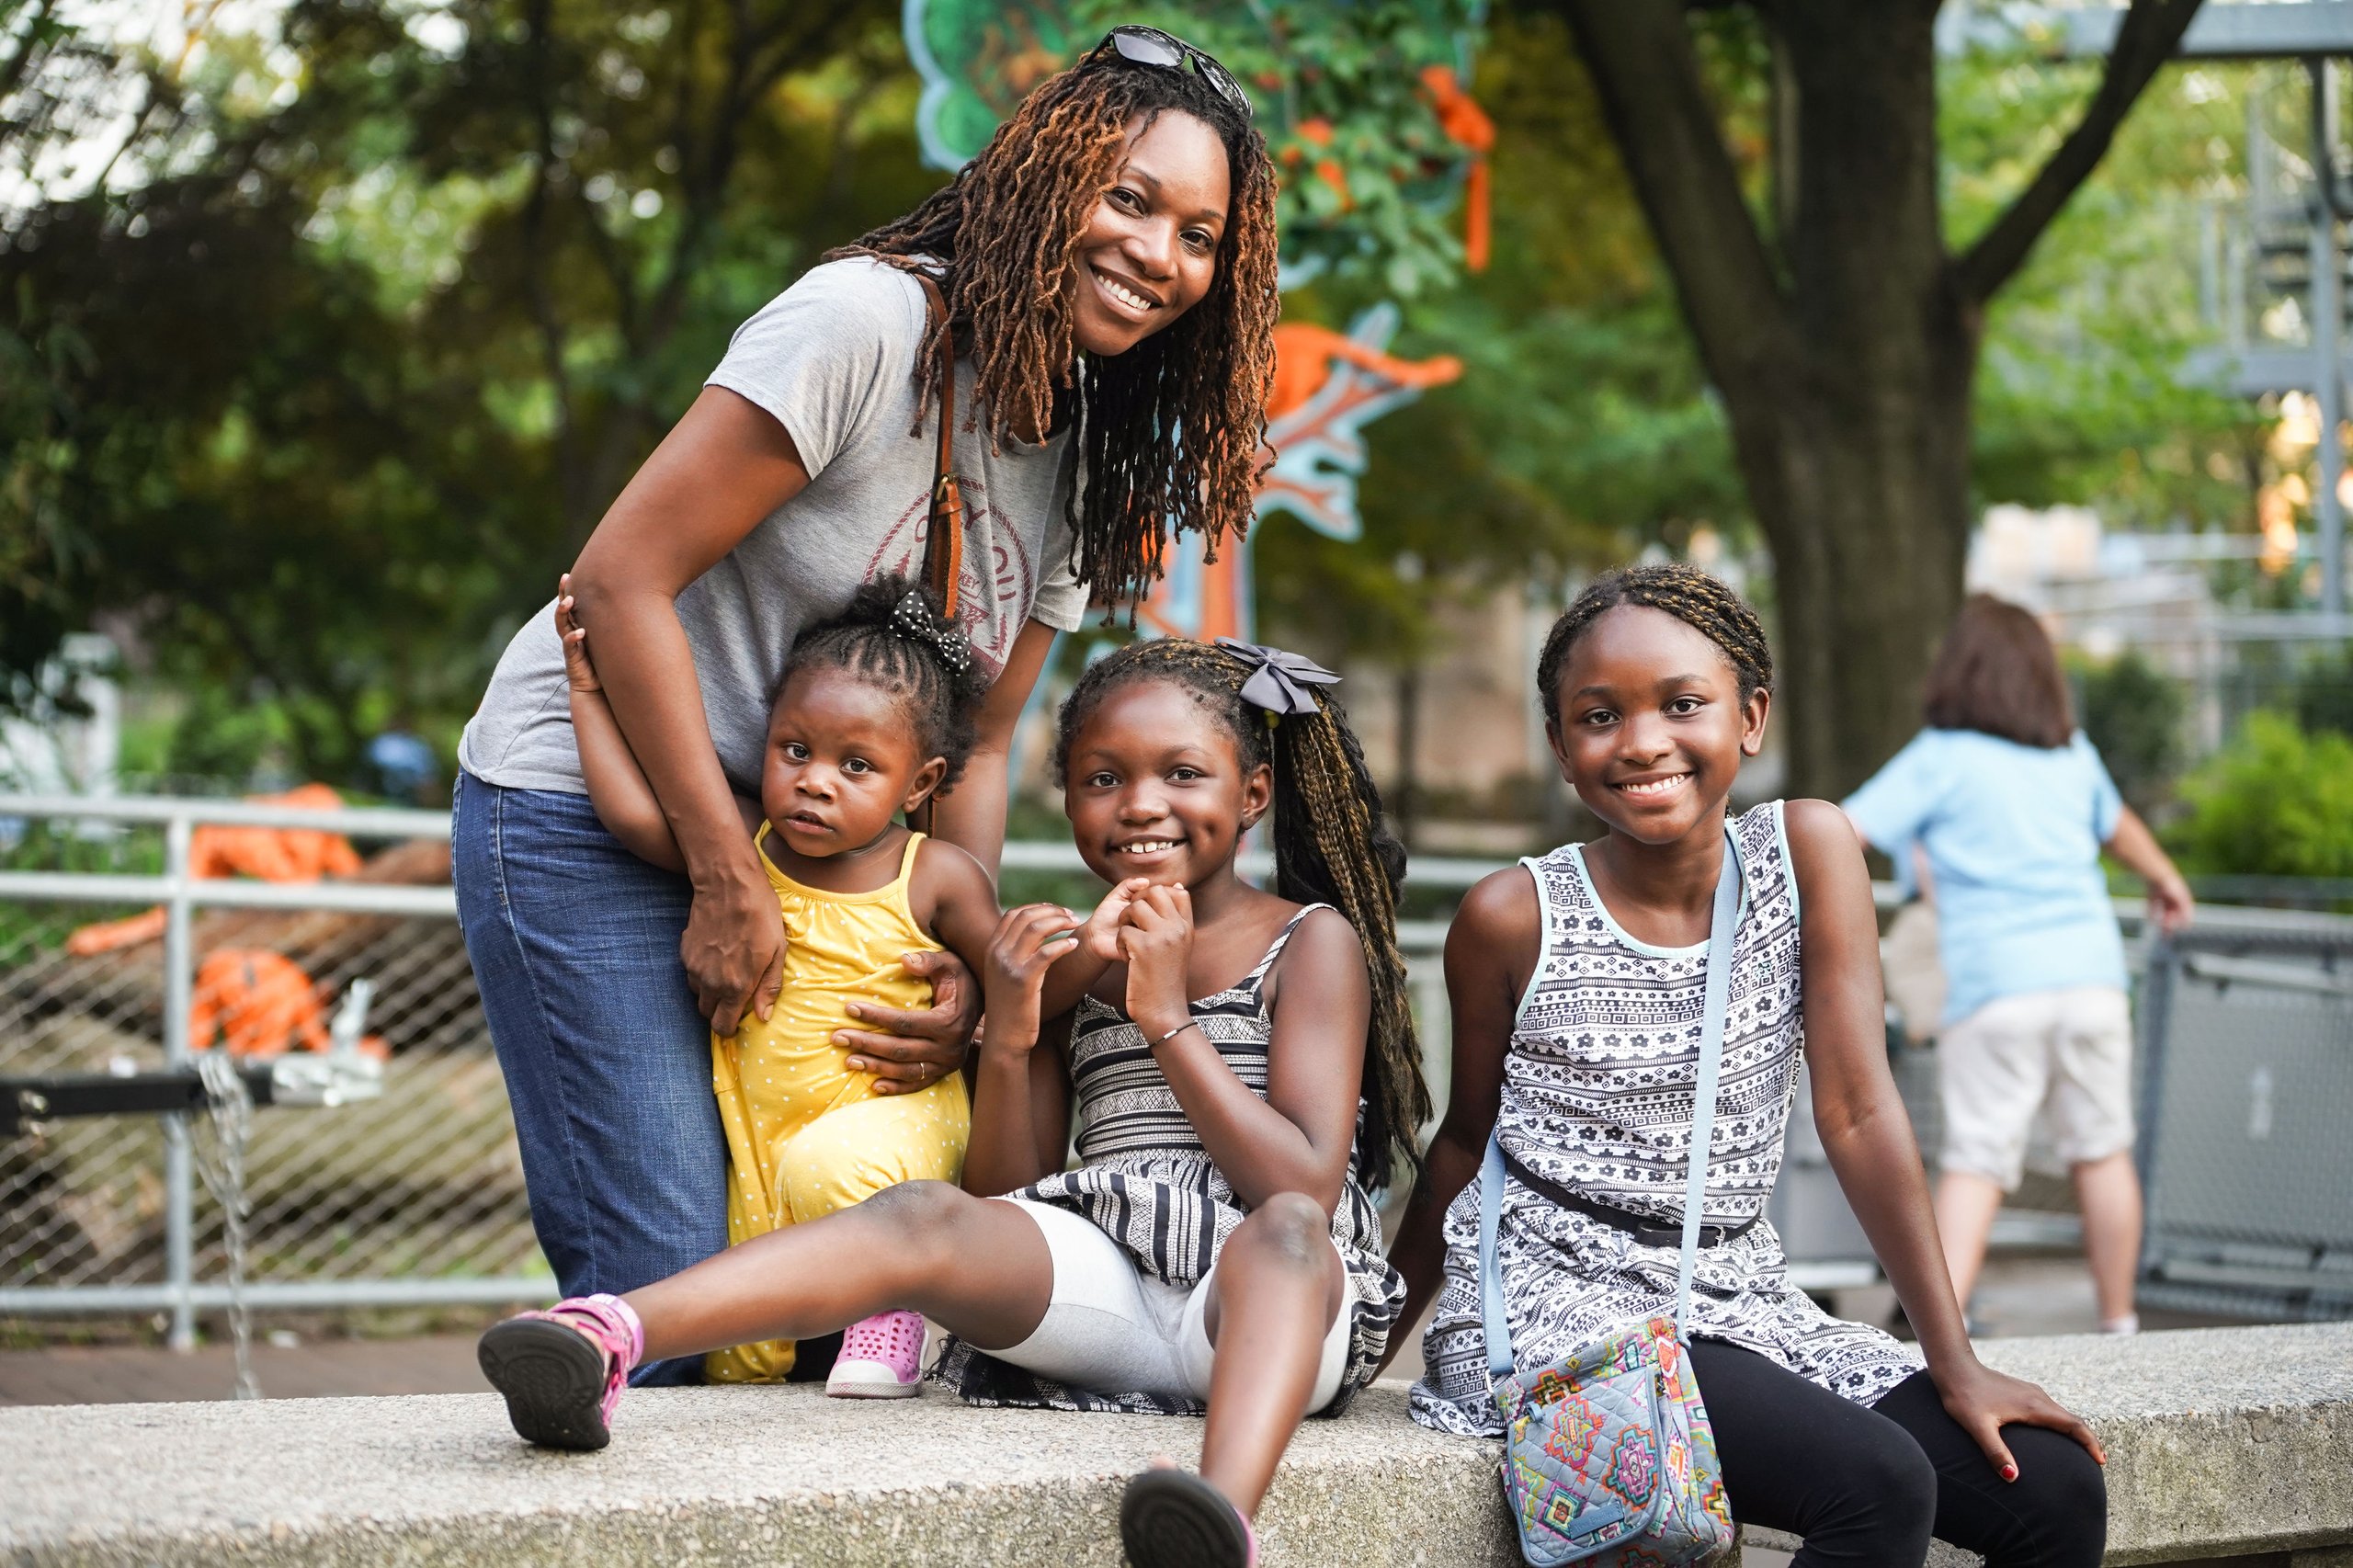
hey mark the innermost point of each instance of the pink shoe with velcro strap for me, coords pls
(882, 1358)
(563, 1369)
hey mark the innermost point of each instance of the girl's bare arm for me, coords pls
(1490, 949)
(624, 801)
(1299, 1137)
(955, 901)
(1020, 1096)
(1868, 1137)
(2170, 904)
(722, 469)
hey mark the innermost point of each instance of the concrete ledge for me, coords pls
(2222, 1443)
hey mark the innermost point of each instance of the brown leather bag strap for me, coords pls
(943, 545)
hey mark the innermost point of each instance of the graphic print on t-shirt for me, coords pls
(992, 590)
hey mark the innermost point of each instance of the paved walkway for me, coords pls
(311, 1369)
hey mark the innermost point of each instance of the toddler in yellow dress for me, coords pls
(875, 715)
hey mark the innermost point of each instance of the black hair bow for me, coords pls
(1279, 684)
(915, 620)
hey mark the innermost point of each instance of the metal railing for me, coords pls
(60, 1189)
(108, 1165)
(413, 1201)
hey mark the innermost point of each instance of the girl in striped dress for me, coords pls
(1576, 983)
(1242, 1066)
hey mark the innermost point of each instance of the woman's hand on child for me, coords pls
(1985, 1401)
(907, 1050)
(1100, 935)
(1028, 941)
(1157, 942)
(577, 667)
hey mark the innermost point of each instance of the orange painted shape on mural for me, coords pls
(1470, 128)
(1303, 355)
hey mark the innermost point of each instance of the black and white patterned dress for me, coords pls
(1145, 1181)
(1598, 1089)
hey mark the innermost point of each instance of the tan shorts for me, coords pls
(2065, 1053)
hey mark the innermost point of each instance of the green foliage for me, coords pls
(2277, 801)
(219, 736)
(1370, 176)
(317, 393)
(2079, 393)
(2133, 713)
(324, 399)
(1582, 429)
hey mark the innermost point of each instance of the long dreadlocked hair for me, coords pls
(1700, 602)
(1331, 846)
(1169, 431)
(864, 641)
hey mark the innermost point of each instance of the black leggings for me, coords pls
(1868, 1485)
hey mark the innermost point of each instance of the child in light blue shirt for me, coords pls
(2011, 807)
(2012, 834)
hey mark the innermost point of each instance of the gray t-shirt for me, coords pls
(833, 358)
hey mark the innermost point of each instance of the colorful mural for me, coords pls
(978, 58)
(1328, 386)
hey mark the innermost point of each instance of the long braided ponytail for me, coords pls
(1331, 846)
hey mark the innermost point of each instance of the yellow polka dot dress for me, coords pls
(805, 1135)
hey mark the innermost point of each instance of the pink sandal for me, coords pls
(563, 1369)
(882, 1358)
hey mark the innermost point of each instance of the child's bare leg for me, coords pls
(978, 1267)
(1279, 1284)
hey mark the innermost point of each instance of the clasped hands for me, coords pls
(1042, 948)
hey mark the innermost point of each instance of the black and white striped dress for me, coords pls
(1600, 1083)
(1145, 1181)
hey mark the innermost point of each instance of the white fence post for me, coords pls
(179, 1168)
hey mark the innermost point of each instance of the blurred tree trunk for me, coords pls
(1845, 346)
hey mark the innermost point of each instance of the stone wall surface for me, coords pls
(2222, 1443)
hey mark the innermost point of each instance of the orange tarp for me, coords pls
(268, 854)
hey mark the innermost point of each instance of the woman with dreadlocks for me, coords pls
(1244, 1067)
(1105, 268)
(1578, 981)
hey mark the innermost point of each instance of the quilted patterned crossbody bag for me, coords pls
(1608, 1456)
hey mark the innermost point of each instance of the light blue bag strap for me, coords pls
(1720, 931)
(1494, 1323)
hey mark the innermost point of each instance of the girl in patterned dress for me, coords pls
(1576, 985)
(1244, 1067)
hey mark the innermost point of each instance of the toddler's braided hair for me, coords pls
(1170, 431)
(1331, 846)
(868, 640)
(1701, 602)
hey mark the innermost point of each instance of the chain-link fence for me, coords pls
(414, 1196)
(411, 1199)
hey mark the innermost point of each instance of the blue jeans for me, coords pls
(574, 943)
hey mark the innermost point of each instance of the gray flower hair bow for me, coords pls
(915, 620)
(1281, 680)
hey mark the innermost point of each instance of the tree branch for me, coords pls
(1640, 55)
(2146, 39)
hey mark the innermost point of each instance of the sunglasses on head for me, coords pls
(1150, 46)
